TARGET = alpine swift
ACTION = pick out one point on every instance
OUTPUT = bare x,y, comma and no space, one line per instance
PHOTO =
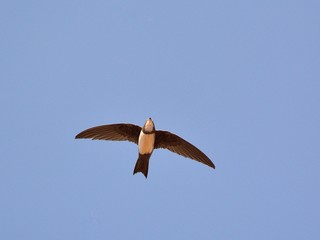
148,139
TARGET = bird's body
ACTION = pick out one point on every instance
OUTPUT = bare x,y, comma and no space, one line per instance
146,142
147,139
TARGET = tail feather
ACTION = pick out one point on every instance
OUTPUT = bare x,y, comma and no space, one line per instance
142,164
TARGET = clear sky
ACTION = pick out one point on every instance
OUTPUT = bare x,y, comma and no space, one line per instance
239,79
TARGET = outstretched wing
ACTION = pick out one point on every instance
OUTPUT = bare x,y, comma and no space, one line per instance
114,132
180,146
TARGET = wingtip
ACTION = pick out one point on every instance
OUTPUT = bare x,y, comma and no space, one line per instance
79,135
212,165
209,163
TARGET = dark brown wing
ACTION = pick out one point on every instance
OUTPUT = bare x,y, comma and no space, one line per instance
180,146
115,132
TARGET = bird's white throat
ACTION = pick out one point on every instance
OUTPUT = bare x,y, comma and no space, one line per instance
148,126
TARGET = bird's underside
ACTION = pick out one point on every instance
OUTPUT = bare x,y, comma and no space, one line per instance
138,135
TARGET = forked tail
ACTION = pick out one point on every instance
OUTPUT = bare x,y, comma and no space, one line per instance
142,164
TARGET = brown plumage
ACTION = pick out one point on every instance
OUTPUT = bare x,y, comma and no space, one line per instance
114,132
180,146
147,139
142,164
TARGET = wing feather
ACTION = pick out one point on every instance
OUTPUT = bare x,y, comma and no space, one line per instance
113,132
180,146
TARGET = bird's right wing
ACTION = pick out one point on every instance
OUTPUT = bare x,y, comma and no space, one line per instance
114,132
180,146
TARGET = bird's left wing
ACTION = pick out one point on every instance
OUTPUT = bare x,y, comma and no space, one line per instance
180,146
114,132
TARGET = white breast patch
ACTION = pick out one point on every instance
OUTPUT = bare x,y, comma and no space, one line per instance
146,143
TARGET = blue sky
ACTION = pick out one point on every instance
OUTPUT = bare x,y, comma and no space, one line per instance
239,79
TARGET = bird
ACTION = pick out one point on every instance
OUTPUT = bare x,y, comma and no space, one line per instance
147,138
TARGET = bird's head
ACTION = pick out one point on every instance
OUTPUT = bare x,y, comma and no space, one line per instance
148,127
